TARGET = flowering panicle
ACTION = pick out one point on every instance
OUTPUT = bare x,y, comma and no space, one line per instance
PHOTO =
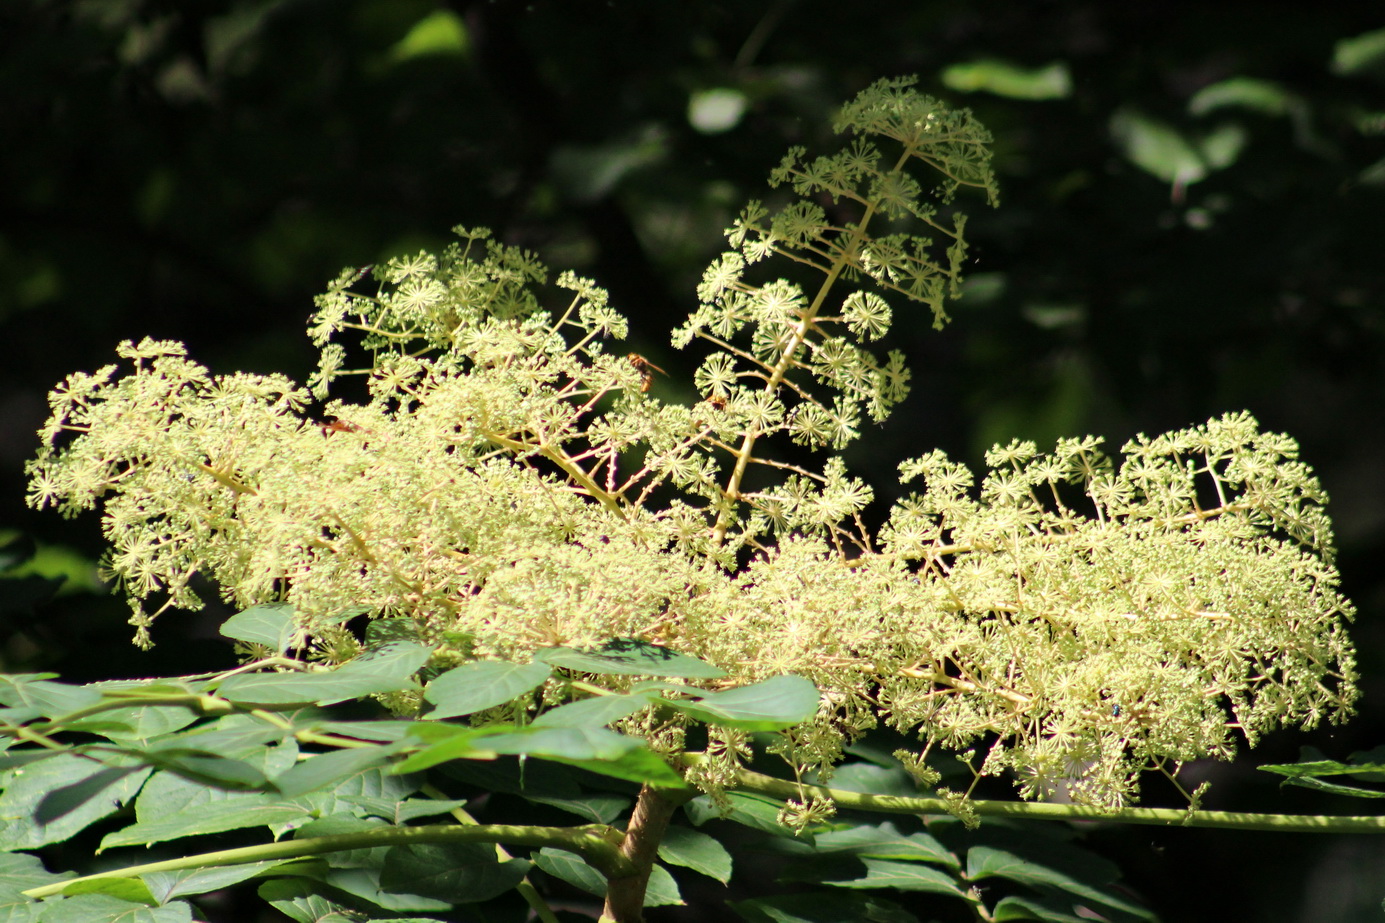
510,485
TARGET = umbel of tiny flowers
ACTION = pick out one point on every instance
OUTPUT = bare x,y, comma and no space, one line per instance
510,485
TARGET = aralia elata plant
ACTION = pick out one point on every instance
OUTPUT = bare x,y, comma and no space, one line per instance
517,549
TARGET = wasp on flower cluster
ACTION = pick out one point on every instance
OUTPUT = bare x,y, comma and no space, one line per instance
647,370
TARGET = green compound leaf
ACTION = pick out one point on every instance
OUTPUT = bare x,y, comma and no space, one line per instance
270,625
630,656
390,669
772,705
822,907
482,684
697,851
459,873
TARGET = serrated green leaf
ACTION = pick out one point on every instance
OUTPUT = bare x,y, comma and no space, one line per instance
389,669
755,811
298,900
382,731
662,888
21,870
1082,874
67,798
89,793
165,886
372,783
15,907
167,794
239,737
884,841
126,889
570,868
1333,788
442,743
598,711
15,759
482,684
103,908
594,807
630,656
872,779
36,695
899,876
138,722
205,767
1308,773
772,705
459,873
327,770
270,625
1046,910
213,817
596,749
401,812
697,851
363,882
384,631
822,907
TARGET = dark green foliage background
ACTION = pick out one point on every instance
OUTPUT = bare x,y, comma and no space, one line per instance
199,171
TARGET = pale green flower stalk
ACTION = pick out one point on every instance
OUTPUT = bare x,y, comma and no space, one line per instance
510,485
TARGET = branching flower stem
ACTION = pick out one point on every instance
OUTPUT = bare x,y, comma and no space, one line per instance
787,358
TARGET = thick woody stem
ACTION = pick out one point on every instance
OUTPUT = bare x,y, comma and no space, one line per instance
648,823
